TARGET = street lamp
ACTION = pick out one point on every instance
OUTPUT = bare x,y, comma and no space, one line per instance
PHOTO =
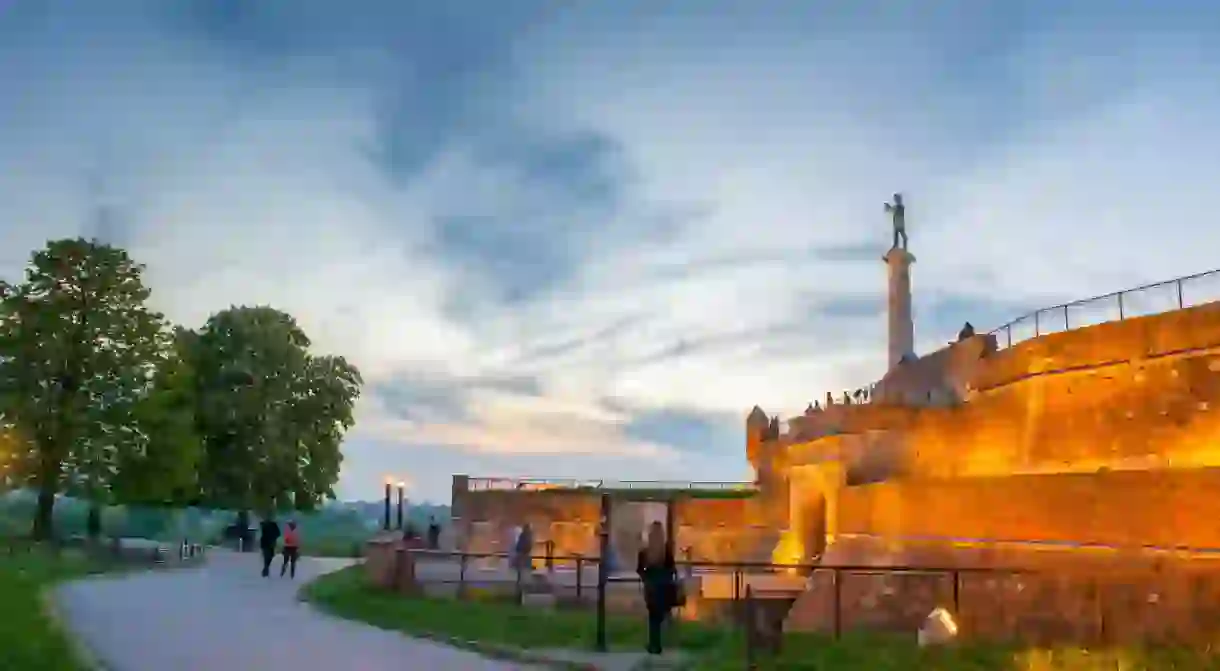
401,486
386,521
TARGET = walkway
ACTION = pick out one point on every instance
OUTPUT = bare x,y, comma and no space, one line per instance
225,616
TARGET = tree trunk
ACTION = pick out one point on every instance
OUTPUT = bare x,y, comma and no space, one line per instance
43,525
48,483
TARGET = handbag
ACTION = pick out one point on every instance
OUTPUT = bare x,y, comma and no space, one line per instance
677,594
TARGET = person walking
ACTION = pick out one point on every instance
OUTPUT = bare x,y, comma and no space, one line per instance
659,576
292,550
268,536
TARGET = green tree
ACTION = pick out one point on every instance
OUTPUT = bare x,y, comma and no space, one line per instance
78,349
271,415
162,467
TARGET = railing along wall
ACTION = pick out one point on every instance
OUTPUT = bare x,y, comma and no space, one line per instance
1045,607
483,484
1148,299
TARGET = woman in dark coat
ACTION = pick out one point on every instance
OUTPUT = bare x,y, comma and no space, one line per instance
659,576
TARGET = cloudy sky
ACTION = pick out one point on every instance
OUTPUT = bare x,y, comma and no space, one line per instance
584,237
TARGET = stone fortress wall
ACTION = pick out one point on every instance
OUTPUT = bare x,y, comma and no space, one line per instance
726,529
1102,434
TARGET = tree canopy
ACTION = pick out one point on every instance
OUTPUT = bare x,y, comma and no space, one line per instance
102,398
271,415
79,353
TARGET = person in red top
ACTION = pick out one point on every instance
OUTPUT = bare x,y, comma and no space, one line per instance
292,550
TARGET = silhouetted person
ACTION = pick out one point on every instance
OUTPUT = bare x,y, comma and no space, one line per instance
659,576
268,536
292,550
434,535
524,548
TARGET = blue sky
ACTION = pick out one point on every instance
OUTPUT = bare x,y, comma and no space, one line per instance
581,237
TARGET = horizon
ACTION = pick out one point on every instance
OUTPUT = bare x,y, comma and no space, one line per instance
580,240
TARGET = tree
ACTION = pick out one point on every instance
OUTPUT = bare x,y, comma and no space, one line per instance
78,351
162,467
271,416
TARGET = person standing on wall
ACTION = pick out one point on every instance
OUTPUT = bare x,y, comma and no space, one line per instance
659,576
268,536
292,550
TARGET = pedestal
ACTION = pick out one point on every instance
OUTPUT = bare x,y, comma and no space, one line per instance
901,325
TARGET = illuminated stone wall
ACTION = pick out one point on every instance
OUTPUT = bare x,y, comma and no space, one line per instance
1100,434
715,529
1136,394
1164,508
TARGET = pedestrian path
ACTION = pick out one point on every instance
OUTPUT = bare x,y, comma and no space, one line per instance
224,615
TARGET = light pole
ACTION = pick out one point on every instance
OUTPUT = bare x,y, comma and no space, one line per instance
386,521
401,486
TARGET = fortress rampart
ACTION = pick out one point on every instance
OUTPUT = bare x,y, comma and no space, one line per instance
1104,434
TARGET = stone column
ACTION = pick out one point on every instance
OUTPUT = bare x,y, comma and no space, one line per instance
901,329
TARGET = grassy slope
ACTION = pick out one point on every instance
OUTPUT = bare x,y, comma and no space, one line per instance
346,594
29,639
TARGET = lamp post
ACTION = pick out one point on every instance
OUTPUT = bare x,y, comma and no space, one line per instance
401,486
386,521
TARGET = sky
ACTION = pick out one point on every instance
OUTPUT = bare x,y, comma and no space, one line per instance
582,238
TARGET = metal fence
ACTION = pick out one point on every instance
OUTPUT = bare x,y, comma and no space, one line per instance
756,614
483,484
1149,299
110,552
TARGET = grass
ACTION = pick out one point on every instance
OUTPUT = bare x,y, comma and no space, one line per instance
497,624
346,593
332,547
30,639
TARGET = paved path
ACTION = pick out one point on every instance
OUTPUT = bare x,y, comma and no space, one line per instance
225,616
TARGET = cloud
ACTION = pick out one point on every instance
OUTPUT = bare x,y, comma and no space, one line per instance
582,238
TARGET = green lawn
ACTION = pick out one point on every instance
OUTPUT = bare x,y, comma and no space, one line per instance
346,594
29,639
332,547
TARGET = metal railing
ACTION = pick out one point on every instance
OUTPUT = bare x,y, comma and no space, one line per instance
110,552
761,634
1148,299
483,484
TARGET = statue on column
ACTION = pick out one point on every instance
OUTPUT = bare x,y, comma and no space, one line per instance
898,212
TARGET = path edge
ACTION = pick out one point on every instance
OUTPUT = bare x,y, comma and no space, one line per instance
52,612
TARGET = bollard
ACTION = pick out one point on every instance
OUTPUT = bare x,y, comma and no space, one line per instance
750,633
550,556
462,577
